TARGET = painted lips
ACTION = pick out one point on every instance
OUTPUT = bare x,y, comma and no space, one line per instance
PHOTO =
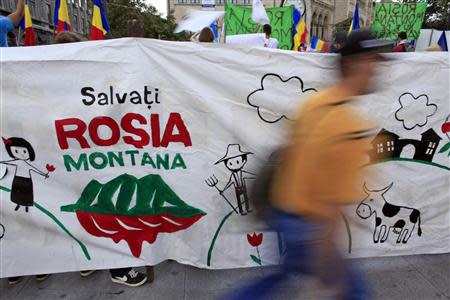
133,210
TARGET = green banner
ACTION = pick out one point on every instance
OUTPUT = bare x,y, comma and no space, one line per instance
392,18
238,20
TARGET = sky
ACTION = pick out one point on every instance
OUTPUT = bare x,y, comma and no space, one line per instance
161,5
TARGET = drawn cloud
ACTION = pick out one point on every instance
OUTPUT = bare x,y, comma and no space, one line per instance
276,97
414,111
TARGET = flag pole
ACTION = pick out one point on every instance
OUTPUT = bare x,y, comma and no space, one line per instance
19,37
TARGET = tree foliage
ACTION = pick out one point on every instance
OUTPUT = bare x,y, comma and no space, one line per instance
437,15
121,11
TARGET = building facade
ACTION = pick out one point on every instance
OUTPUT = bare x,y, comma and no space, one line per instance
42,12
321,16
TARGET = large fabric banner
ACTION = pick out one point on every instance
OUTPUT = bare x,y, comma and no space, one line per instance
130,152
392,18
238,20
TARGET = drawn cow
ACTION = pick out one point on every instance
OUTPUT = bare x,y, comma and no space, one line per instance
402,220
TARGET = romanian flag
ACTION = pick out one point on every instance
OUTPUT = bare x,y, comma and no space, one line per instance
355,22
27,25
319,45
299,30
99,22
442,42
61,18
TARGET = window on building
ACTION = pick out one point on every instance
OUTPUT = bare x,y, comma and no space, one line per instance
431,148
390,146
380,148
246,2
220,1
195,1
75,22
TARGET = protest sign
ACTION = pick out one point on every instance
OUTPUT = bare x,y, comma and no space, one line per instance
392,18
113,154
238,20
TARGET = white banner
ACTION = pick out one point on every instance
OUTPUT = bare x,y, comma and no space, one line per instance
113,152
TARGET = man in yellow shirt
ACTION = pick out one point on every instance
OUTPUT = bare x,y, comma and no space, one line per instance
321,168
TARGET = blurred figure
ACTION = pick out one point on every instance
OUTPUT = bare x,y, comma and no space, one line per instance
8,23
318,170
269,42
65,37
403,45
135,28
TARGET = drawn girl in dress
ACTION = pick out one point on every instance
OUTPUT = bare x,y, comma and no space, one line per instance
22,153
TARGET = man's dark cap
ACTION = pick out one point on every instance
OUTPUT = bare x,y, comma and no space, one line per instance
361,41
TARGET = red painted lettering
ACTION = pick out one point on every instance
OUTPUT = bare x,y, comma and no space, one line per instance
127,125
77,133
156,130
108,122
183,136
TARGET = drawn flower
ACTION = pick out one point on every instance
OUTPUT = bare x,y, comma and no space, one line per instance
445,127
414,111
132,209
446,130
50,168
255,239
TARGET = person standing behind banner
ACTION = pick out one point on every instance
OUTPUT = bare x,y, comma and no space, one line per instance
403,43
269,41
8,23
206,35
135,28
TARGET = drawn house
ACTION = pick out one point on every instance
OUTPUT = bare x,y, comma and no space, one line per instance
389,145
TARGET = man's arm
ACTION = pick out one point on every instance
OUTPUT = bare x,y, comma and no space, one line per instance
17,15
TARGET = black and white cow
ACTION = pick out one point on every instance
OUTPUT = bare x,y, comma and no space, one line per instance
402,220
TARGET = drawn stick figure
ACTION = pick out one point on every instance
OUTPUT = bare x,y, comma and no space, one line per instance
235,160
22,153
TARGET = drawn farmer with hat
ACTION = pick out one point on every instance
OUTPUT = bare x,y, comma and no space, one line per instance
235,159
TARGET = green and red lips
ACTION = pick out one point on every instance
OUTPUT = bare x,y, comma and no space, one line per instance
131,209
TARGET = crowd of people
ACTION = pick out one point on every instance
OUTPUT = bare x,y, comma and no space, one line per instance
303,200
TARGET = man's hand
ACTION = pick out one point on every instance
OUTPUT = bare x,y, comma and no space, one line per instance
17,15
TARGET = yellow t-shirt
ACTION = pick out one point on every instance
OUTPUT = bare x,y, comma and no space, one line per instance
323,164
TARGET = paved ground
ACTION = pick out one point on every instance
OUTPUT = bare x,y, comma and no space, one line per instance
421,277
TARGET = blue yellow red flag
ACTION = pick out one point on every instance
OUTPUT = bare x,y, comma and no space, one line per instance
442,42
61,18
299,30
100,24
355,21
27,25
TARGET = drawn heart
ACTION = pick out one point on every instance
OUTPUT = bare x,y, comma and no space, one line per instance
50,168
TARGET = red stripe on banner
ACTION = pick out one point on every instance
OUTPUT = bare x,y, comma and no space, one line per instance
30,39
